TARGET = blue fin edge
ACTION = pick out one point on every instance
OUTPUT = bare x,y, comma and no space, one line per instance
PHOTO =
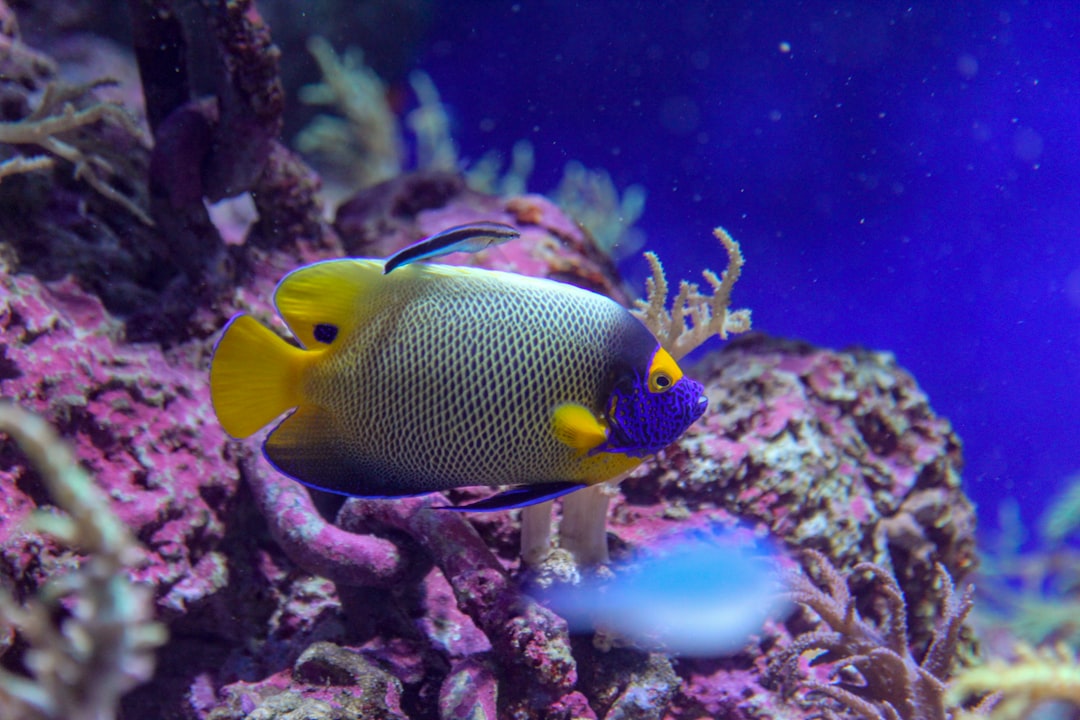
518,497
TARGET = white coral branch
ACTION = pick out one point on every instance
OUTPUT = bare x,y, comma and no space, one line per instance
694,316
56,115
82,660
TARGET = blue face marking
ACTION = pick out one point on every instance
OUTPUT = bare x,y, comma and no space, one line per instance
325,333
644,423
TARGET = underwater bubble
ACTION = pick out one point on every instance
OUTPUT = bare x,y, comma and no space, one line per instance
680,115
967,65
1072,288
1027,145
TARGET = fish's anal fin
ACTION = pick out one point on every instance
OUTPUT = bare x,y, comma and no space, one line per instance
326,300
518,497
577,427
307,447
254,376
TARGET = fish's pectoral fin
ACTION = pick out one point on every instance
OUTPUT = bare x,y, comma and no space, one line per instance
576,426
519,497
254,376
325,300
307,447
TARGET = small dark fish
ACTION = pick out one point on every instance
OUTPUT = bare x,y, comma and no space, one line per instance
462,238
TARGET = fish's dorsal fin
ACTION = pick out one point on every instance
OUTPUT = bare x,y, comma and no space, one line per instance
324,300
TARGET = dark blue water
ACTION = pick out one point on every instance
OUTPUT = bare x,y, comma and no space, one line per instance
901,176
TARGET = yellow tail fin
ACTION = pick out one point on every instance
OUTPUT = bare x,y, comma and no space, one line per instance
254,376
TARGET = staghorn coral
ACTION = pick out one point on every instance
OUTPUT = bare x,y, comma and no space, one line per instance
53,126
875,675
694,317
90,633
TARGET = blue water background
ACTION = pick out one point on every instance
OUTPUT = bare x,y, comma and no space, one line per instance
902,176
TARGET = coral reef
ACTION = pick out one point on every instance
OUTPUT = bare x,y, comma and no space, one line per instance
591,198
876,675
837,452
1016,688
56,118
285,603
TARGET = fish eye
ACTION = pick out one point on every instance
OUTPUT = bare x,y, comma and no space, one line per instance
659,382
325,333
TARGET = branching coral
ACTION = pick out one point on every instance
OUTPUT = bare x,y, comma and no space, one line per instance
90,633
1036,676
435,148
368,134
486,176
591,198
1035,594
18,61
694,316
875,674
51,127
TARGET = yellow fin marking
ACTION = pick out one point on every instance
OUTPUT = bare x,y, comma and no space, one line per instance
607,466
575,425
254,376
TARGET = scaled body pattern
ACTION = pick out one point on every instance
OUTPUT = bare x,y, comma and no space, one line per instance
432,377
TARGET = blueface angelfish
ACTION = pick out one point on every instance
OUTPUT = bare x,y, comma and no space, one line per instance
433,377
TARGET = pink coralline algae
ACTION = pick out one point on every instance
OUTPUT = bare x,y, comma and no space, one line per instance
140,422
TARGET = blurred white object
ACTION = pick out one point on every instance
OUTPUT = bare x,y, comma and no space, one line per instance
692,596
